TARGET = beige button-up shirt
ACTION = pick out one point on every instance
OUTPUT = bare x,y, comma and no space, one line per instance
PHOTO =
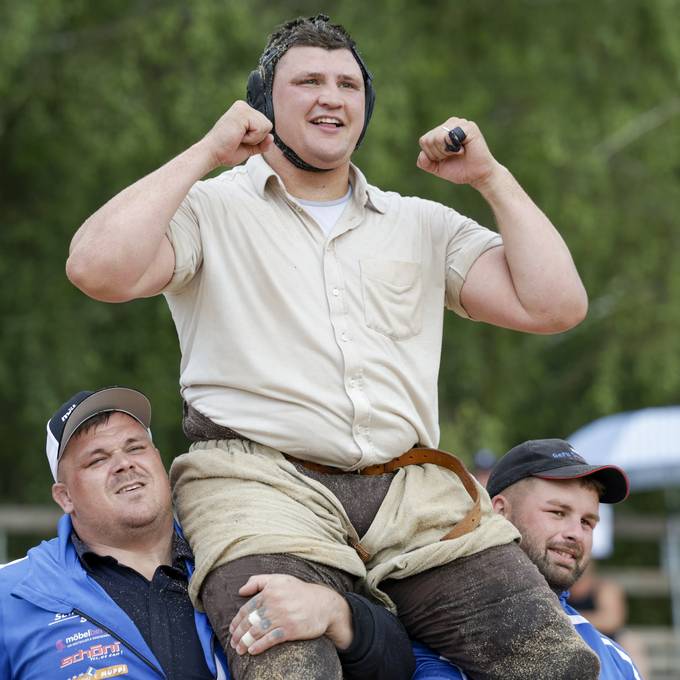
326,348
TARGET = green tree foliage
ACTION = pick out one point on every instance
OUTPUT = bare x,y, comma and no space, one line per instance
579,99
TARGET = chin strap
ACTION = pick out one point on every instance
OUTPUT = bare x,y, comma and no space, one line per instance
293,157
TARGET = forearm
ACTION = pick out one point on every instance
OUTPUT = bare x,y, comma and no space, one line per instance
541,267
380,648
117,245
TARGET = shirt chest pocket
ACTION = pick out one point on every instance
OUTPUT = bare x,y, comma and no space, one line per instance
393,297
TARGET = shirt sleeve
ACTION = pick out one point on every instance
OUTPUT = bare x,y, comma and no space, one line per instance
466,241
185,236
380,648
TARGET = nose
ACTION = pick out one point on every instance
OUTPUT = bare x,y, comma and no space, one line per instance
329,96
122,461
574,531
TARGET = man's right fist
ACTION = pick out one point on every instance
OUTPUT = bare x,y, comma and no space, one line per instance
240,133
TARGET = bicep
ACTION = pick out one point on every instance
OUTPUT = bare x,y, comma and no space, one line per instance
158,274
488,294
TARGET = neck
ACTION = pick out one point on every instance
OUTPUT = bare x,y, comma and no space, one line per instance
310,186
142,552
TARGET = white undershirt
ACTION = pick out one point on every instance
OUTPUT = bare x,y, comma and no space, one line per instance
326,213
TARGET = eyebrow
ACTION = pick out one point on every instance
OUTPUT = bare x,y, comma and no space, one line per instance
128,442
318,74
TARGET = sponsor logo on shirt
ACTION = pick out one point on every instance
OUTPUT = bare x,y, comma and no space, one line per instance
93,653
61,618
78,637
102,673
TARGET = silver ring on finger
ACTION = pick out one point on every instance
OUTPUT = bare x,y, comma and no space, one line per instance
255,619
247,639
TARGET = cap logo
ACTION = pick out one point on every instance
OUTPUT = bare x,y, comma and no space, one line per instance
563,454
68,413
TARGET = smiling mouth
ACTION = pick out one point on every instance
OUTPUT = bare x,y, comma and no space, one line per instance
327,120
129,488
565,555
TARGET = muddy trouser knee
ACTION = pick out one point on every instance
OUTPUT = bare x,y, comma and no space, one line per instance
295,660
493,614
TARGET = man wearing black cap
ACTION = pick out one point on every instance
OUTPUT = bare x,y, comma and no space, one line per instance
109,598
551,494
308,305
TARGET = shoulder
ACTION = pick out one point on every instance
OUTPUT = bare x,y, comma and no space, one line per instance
49,556
40,563
246,182
235,179
384,199
612,656
11,573
414,210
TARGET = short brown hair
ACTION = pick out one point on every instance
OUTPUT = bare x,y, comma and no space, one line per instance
316,31
89,424
591,483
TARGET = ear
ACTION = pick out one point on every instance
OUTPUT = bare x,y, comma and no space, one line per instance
61,497
501,505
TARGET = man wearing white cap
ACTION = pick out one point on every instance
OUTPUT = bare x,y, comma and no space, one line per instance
108,597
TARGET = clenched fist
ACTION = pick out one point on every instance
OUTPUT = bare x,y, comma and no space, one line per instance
240,133
472,164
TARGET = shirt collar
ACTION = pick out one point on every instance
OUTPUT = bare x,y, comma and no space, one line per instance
260,172
180,552
366,195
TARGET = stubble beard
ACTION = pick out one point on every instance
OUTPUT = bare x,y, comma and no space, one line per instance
559,578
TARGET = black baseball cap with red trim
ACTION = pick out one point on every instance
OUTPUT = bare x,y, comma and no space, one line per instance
555,459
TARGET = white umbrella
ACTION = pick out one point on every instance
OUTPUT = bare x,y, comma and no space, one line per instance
645,443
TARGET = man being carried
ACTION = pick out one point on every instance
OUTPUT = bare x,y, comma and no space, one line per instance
308,305
109,598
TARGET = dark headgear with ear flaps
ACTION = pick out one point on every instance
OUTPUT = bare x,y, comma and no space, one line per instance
261,80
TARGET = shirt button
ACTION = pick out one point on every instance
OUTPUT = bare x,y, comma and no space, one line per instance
336,292
344,337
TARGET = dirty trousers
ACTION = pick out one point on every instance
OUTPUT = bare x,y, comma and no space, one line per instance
476,599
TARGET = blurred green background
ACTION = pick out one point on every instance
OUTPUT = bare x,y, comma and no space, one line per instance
579,99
